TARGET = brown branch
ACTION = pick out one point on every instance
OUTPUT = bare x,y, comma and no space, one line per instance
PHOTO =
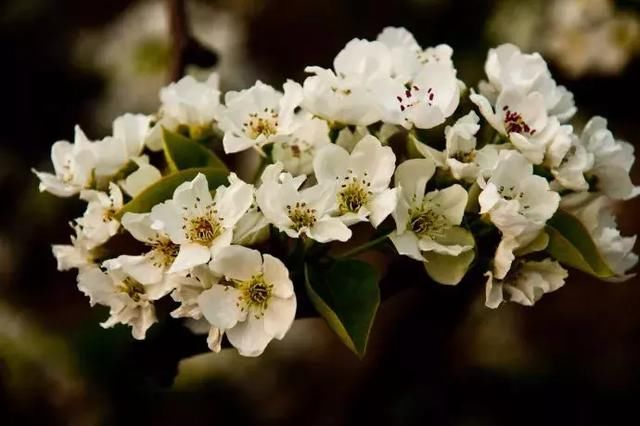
186,50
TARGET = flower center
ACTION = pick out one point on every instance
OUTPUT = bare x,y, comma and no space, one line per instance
163,252
263,123
464,157
131,288
301,216
514,123
509,193
353,195
203,229
255,294
424,222
413,96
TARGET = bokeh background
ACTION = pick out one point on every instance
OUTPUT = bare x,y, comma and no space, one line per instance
436,355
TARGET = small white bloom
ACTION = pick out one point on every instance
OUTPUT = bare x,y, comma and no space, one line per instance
76,255
187,102
198,223
518,202
594,211
257,302
297,151
361,179
73,164
300,212
98,223
568,160
612,160
129,296
526,283
425,221
522,119
259,115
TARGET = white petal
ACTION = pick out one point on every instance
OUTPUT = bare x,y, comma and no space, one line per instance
330,162
279,316
220,306
237,262
190,255
249,337
407,244
277,274
330,229
412,176
382,205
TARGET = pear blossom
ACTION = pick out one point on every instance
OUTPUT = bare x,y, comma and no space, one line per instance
300,212
595,212
344,95
570,162
77,255
522,119
259,115
526,283
612,160
460,155
187,102
162,251
518,202
426,221
73,164
129,296
360,180
199,223
297,151
98,223
255,304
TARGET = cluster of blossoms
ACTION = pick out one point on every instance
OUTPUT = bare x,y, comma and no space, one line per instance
455,178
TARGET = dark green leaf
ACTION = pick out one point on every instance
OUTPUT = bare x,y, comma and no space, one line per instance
347,296
163,189
571,244
183,153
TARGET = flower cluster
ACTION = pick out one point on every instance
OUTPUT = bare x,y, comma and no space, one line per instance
492,179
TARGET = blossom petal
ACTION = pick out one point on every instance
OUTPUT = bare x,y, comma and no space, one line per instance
220,306
279,316
277,274
238,263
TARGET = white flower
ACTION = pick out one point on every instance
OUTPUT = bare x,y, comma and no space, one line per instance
257,304
518,202
507,68
361,179
425,222
126,144
259,115
73,164
569,160
300,212
129,296
98,223
297,151
76,255
612,160
430,98
344,95
594,211
523,119
198,223
525,283
187,102
162,251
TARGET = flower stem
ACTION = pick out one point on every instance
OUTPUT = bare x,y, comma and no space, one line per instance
363,247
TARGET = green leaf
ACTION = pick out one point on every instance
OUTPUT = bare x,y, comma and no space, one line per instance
571,244
347,296
446,269
163,189
184,153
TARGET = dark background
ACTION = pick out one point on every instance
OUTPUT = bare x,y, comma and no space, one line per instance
437,356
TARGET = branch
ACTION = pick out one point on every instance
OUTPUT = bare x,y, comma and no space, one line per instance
186,50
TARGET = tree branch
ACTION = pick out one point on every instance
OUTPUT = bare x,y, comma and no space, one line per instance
185,49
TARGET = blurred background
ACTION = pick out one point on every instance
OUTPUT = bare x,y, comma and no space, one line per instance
436,355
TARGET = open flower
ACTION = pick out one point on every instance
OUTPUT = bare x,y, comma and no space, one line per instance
518,202
198,223
98,223
300,212
612,160
426,222
297,151
73,164
360,179
77,255
526,283
189,103
256,303
259,115
129,295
